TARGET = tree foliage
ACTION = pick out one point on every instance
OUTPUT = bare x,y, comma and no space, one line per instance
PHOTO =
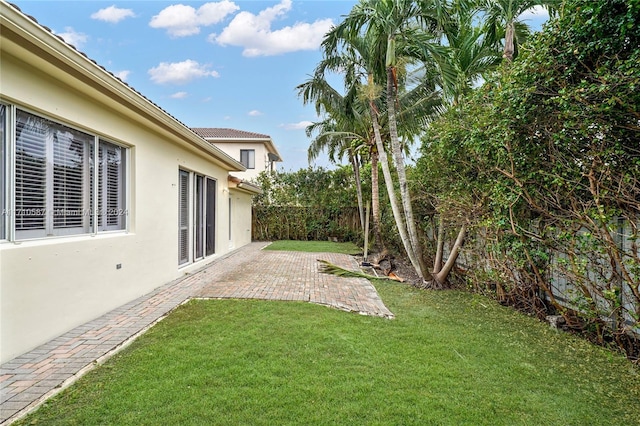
308,204
545,158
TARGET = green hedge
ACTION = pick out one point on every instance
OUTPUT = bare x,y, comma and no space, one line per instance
272,223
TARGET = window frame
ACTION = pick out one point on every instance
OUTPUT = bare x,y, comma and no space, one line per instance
197,216
4,170
104,216
250,162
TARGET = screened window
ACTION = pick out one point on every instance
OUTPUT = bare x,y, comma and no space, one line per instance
67,182
248,158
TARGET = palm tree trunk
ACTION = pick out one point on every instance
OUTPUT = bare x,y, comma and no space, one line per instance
355,164
397,214
437,263
375,202
398,158
509,42
441,277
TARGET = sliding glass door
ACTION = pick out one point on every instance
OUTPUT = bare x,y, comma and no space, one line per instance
196,217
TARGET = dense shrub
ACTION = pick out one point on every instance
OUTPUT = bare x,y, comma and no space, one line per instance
544,162
308,204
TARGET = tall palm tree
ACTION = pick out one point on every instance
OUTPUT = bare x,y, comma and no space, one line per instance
503,21
341,132
407,34
471,55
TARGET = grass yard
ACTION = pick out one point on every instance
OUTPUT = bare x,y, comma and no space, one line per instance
449,358
315,247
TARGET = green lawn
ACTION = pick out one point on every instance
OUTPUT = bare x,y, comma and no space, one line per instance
315,247
448,358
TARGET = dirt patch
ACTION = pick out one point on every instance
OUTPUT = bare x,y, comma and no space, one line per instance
400,266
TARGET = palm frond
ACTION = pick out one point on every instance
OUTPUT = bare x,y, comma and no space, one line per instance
327,267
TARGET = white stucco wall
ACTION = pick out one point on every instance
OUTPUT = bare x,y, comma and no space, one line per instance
241,215
51,285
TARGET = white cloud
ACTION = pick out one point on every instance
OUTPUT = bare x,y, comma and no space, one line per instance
113,14
122,75
73,38
296,126
179,95
254,113
254,33
181,20
536,12
180,72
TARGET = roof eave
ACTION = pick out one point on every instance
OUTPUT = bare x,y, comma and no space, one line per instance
243,185
33,37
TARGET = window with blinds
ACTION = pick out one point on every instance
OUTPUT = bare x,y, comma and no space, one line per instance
183,218
31,176
57,183
111,190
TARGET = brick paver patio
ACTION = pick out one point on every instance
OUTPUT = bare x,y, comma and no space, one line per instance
247,273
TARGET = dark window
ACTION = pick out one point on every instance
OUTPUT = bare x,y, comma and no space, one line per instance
248,158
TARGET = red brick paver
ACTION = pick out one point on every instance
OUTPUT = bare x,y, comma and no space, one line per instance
247,273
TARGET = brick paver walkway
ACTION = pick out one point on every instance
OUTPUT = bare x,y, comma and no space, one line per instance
30,379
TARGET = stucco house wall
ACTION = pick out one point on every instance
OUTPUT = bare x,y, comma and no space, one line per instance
240,209
233,150
232,142
50,285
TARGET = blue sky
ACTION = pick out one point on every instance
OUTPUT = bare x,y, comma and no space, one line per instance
209,64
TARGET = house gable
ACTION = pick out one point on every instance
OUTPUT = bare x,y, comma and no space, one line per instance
256,151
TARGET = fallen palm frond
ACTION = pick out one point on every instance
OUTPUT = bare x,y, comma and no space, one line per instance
329,268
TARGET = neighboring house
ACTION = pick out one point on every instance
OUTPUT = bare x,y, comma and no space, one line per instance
104,195
254,150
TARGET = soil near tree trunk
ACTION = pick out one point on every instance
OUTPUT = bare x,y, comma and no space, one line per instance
400,266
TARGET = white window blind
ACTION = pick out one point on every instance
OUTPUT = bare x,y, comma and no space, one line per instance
111,188
71,190
55,176
52,178
31,175
183,217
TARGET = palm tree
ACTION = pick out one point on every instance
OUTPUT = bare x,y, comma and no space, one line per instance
406,35
471,55
341,132
502,20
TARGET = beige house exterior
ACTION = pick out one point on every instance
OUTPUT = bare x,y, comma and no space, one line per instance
255,151
104,195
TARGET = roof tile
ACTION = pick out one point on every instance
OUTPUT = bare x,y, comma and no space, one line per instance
222,133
